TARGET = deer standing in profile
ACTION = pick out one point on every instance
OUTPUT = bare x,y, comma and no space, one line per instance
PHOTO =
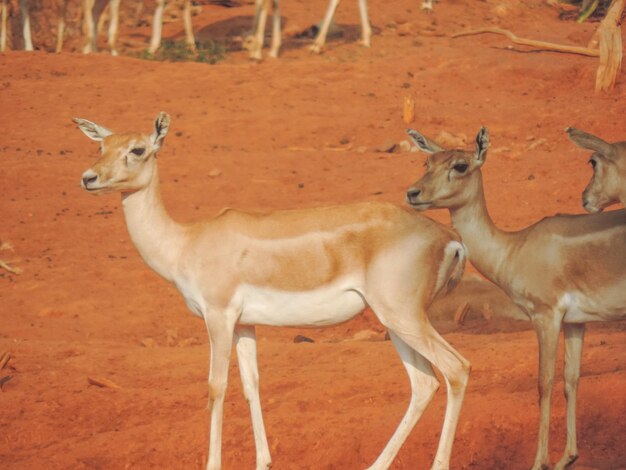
311,267
563,271
608,183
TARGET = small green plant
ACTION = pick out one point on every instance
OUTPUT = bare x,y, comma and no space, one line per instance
209,52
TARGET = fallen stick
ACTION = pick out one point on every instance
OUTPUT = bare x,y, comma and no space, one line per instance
586,51
4,265
103,383
4,359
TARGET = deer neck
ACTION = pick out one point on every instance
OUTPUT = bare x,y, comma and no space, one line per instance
488,246
157,237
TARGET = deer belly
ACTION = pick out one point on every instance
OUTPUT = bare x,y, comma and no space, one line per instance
580,308
318,307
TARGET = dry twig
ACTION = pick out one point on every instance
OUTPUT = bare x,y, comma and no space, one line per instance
532,42
103,383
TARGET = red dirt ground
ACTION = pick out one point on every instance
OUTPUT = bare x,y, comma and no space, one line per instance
300,131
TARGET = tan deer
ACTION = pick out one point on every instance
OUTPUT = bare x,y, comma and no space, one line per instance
563,271
312,267
608,183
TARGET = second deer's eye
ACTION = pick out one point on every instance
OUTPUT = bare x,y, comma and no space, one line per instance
460,167
138,151
592,162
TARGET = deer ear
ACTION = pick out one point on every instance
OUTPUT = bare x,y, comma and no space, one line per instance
423,143
92,130
482,144
161,127
590,142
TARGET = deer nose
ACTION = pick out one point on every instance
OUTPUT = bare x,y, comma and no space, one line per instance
413,194
88,177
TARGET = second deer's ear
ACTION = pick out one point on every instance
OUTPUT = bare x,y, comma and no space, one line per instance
161,128
482,144
590,142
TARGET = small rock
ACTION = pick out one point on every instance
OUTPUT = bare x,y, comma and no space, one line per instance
215,172
387,147
405,146
451,141
302,339
344,140
149,343
367,335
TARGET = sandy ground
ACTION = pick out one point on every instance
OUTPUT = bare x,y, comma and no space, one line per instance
300,131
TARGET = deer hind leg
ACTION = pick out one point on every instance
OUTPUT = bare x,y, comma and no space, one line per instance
424,384
3,25
574,338
276,33
62,12
547,327
221,336
28,41
245,340
190,39
414,329
114,19
366,28
320,40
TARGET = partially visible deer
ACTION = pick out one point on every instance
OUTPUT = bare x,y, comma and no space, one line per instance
254,42
563,271
157,26
608,183
91,11
310,267
26,29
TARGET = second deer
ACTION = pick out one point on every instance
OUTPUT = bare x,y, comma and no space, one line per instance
563,271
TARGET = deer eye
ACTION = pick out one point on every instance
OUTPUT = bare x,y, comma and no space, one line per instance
460,167
138,151
592,162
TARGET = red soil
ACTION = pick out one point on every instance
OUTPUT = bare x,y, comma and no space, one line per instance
300,131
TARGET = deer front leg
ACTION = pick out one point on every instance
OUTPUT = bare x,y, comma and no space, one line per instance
320,40
245,340
574,338
255,42
89,27
547,327
276,30
190,39
221,336
366,29
157,26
